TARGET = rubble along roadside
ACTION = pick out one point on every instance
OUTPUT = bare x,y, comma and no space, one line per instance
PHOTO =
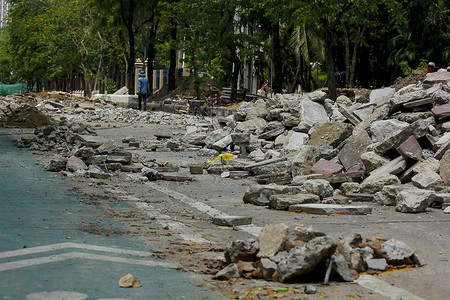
412,141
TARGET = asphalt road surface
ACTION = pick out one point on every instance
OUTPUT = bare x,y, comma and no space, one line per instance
172,222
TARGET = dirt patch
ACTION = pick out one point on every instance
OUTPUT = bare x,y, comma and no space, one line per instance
94,228
186,90
414,78
23,116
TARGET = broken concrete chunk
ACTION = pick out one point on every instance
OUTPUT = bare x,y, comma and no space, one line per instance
197,139
310,114
106,148
340,266
444,168
372,161
56,164
329,134
268,268
296,140
231,220
396,252
393,167
222,143
380,96
151,174
273,133
271,239
244,250
303,260
303,161
324,166
320,187
441,110
229,272
380,130
350,187
393,141
388,194
411,148
260,194
426,180
414,200
326,209
214,136
128,281
376,264
305,234
75,164
350,155
399,100
271,166
444,148
377,183
317,96
257,110
255,125
284,201
430,164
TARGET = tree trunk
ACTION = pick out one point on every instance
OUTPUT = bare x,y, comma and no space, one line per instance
235,76
329,63
151,52
128,23
173,59
355,51
277,64
347,56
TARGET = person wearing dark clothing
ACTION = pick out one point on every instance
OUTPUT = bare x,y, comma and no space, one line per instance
142,90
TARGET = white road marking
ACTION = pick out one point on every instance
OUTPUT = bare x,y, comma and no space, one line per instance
210,211
60,246
57,295
385,289
75,255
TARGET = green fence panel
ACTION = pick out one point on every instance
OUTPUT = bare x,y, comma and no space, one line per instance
9,89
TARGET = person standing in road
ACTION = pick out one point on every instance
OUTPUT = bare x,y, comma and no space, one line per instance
142,90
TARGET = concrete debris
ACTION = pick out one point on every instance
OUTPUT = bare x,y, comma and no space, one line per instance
304,255
129,281
391,147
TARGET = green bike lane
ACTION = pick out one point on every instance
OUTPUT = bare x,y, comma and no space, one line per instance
45,255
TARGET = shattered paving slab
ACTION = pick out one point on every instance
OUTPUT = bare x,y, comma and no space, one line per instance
324,209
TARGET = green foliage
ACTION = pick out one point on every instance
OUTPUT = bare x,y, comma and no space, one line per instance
423,65
60,39
406,69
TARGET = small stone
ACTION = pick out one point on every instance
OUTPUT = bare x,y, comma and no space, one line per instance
377,264
129,280
310,289
229,272
271,239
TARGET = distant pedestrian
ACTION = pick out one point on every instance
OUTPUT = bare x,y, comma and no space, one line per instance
142,90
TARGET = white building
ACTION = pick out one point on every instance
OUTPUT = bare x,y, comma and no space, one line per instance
4,7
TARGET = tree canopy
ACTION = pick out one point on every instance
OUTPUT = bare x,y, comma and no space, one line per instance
371,41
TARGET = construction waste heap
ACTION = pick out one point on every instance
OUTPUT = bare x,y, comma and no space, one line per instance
304,153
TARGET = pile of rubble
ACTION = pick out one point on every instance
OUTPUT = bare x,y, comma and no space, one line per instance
305,152
308,256
386,146
22,116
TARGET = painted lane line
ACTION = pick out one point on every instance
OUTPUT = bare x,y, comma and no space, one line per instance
76,255
60,246
210,211
162,219
385,289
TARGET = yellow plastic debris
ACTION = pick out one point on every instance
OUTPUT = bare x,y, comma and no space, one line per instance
225,156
